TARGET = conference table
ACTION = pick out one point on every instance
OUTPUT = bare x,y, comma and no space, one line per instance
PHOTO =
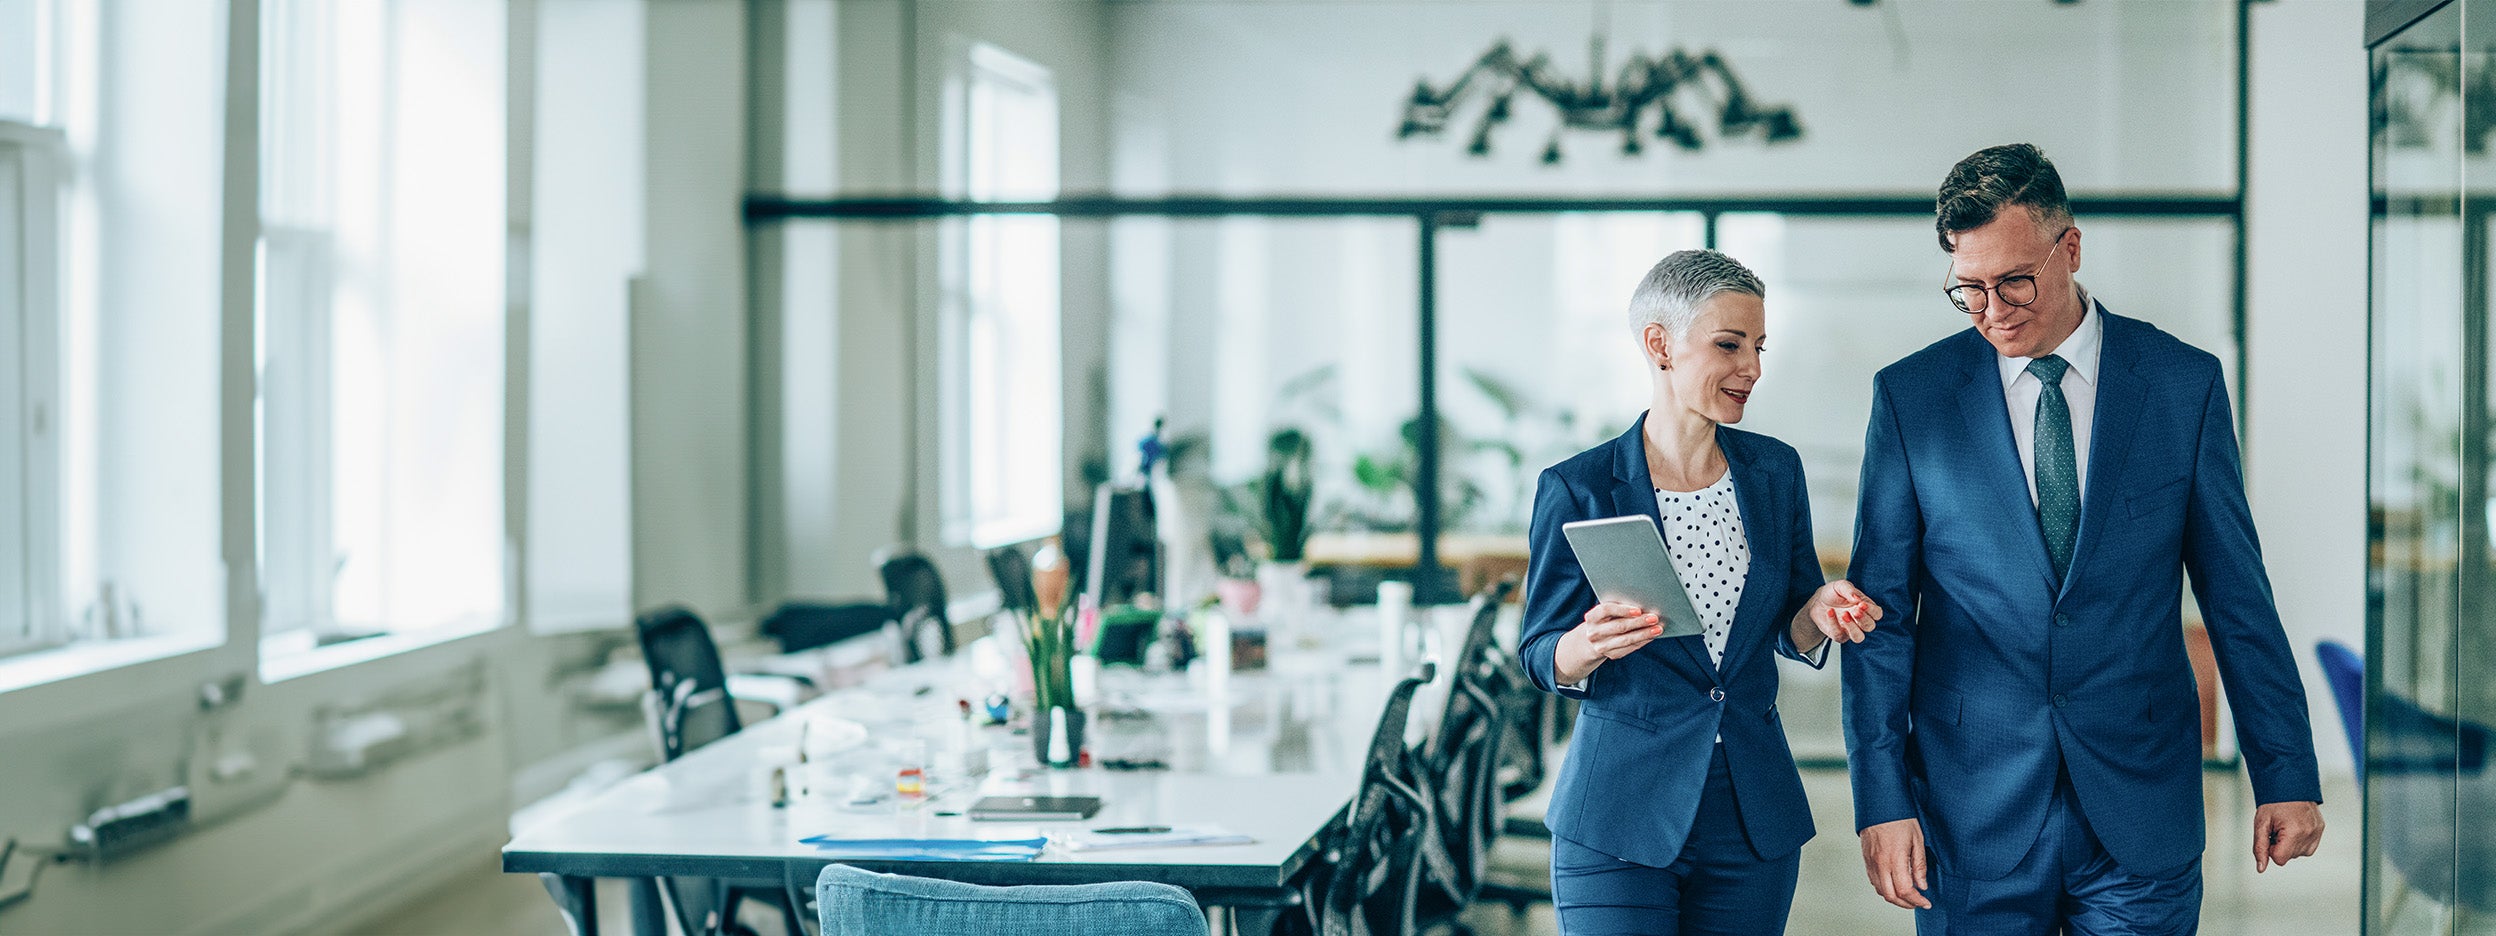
1273,754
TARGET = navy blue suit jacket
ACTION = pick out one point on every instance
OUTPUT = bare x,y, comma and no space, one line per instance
1638,762
1962,712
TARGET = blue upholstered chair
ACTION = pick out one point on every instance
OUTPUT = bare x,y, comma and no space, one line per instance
2346,672
852,902
2431,789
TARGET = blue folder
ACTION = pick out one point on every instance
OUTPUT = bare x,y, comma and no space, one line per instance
928,849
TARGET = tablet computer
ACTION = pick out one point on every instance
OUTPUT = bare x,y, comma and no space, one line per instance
995,808
1625,562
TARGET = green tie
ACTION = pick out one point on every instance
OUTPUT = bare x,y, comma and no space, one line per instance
2058,473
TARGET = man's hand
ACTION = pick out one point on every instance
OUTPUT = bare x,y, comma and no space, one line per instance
1893,857
2285,830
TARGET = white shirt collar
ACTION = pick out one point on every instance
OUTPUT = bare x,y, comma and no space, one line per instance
2079,350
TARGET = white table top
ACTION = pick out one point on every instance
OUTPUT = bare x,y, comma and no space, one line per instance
1273,754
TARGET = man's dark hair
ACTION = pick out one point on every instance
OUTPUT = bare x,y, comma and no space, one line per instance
2011,174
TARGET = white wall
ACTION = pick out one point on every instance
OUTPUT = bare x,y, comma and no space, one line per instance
688,332
1304,95
583,216
2305,445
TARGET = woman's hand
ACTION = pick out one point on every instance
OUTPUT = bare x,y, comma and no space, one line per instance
1609,632
1838,611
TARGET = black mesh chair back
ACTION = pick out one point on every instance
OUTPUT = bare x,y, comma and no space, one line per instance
1375,872
1476,654
692,704
917,595
1463,762
800,625
1012,570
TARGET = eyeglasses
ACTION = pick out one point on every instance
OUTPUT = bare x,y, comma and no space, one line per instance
2017,291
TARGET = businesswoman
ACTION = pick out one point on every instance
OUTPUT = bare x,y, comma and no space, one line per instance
1678,810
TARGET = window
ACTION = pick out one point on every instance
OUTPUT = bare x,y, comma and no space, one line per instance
1002,418
380,349
29,451
109,317
29,236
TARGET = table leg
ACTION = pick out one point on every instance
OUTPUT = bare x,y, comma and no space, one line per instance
577,899
649,915
1254,921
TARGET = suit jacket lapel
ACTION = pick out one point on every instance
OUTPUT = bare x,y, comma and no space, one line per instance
1988,421
1633,492
2120,395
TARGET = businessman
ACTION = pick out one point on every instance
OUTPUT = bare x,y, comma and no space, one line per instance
2025,745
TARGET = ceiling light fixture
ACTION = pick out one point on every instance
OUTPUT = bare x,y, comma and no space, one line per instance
1674,86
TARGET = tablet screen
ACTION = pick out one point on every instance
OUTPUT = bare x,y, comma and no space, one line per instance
1625,562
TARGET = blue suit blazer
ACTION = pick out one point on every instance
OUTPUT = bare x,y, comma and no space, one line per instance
1962,712
1638,761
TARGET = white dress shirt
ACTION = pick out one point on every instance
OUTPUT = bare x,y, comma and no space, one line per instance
2020,390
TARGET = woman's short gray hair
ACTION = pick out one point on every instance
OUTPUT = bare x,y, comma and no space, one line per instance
1684,280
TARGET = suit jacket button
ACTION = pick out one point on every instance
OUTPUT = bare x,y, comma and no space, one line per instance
2062,620
2058,700
1716,694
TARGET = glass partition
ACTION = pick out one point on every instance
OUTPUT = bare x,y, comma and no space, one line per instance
2426,484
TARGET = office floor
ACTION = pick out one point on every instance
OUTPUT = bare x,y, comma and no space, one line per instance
2312,897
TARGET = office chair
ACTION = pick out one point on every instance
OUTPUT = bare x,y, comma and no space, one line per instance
854,902
1462,763
689,707
2346,673
1538,721
917,595
1372,877
689,686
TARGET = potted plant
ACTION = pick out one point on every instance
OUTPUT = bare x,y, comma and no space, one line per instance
1049,642
1279,502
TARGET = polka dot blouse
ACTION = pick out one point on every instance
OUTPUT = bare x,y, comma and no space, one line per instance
1703,533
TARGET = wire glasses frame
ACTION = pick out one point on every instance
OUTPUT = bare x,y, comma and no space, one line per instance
2017,291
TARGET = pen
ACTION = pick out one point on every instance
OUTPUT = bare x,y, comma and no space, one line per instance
1134,830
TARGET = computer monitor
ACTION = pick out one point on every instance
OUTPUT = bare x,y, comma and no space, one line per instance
1125,555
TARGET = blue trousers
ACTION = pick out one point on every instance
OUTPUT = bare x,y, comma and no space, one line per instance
1718,885
2067,884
